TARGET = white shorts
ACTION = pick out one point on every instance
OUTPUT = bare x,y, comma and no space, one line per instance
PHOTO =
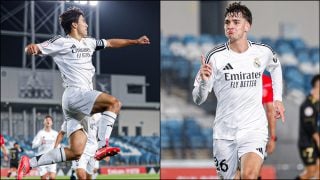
77,104
227,153
85,162
47,168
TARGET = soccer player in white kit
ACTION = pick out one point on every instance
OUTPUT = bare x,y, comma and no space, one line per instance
234,70
84,167
73,55
44,141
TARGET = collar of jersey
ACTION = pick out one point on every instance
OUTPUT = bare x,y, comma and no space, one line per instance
239,54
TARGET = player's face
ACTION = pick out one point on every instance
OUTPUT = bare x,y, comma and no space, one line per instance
235,26
47,122
82,26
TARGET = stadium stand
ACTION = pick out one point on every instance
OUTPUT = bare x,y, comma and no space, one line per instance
135,150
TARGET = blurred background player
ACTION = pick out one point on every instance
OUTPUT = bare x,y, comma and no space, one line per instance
308,142
14,159
84,167
79,100
3,148
44,141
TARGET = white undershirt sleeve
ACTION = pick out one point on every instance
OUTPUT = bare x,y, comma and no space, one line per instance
36,141
200,92
275,70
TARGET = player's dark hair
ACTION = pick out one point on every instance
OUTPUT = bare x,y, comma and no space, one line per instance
315,79
68,17
235,8
48,116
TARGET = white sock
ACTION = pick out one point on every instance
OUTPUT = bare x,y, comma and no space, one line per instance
94,175
54,156
105,127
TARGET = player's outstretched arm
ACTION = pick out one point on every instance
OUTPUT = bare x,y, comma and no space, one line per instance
32,49
118,43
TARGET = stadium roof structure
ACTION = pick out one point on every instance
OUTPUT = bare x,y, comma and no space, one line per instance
36,21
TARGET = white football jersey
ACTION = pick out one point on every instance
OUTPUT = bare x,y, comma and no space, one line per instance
44,141
74,58
237,82
92,141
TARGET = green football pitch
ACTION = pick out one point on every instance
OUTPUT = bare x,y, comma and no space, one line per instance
112,176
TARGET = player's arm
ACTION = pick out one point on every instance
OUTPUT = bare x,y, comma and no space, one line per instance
272,127
37,141
4,151
274,67
59,138
118,43
32,49
49,47
201,89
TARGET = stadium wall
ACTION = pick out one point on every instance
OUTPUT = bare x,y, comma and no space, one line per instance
270,19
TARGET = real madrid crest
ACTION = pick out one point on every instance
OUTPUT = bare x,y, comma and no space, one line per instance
256,62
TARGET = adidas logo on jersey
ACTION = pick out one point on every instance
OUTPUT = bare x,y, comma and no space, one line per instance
227,67
260,150
73,46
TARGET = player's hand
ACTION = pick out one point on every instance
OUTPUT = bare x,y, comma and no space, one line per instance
32,49
271,146
143,40
205,69
279,108
43,141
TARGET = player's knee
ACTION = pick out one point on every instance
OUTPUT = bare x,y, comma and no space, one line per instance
115,105
249,174
312,171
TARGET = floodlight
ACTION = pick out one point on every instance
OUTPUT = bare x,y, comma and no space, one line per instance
93,3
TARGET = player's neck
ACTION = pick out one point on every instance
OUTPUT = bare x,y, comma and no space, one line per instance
48,129
239,46
76,36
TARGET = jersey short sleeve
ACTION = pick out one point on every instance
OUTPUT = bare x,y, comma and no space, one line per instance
52,46
97,44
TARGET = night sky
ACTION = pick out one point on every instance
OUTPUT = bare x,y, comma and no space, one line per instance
118,19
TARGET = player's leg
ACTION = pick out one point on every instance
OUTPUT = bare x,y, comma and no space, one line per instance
225,158
81,173
52,171
96,169
78,140
251,164
309,158
252,147
80,166
43,172
90,167
110,108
